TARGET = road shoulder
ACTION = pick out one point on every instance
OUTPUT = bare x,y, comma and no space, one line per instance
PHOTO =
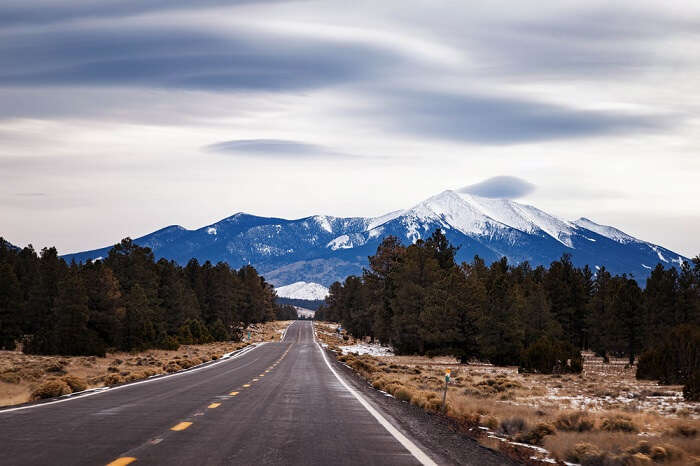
437,435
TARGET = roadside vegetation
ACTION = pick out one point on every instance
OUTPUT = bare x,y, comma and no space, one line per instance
126,302
559,363
26,377
601,416
419,301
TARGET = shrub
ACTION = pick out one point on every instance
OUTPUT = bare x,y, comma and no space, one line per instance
172,366
638,459
491,422
10,377
536,435
618,423
685,430
666,453
403,394
513,425
186,363
379,383
434,404
55,367
577,421
642,447
76,384
113,379
583,452
51,389
170,343
547,355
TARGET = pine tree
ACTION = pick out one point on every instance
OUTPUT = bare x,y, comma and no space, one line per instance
442,250
104,298
381,287
418,271
626,306
138,328
500,329
70,333
10,307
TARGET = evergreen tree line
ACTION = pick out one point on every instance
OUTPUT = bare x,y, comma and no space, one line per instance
420,301
128,301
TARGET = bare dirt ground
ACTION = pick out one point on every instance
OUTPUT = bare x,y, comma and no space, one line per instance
26,377
603,416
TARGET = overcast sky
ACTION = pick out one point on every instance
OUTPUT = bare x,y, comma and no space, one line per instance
118,117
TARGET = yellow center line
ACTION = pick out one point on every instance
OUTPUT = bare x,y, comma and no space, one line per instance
122,461
255,379
181,426
214,405
233,393
246,385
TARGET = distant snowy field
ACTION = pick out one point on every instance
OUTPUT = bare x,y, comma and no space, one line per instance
303,290
368,348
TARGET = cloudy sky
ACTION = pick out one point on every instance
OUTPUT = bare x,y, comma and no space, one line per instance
118,117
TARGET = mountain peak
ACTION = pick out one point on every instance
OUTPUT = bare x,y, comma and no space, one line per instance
303,290
322,249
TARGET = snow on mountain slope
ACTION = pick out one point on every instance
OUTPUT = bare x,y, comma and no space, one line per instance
375,222
303,290
607,231
321,249
450,210
522,217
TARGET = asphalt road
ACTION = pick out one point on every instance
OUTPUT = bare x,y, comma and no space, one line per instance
279,403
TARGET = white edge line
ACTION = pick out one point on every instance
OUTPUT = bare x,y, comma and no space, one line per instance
284,335
98,390
403,440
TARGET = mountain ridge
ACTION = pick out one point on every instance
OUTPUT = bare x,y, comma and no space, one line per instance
324,248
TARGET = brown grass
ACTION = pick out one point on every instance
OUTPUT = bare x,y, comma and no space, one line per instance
28,377
594,417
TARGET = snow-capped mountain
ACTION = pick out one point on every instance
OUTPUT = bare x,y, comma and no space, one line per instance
322,249
303,290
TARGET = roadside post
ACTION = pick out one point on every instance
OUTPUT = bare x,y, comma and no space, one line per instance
444,394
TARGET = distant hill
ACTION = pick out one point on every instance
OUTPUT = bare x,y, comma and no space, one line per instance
8,245
303,290
322,249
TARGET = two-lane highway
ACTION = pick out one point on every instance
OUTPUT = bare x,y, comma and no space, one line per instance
280,403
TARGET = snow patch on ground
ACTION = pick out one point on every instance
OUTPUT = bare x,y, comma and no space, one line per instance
372,349
211,231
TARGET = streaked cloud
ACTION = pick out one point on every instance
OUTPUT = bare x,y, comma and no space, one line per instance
488,119
376,106
275,148
169,57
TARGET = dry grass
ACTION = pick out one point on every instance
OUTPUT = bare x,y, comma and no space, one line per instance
26,377
594,417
